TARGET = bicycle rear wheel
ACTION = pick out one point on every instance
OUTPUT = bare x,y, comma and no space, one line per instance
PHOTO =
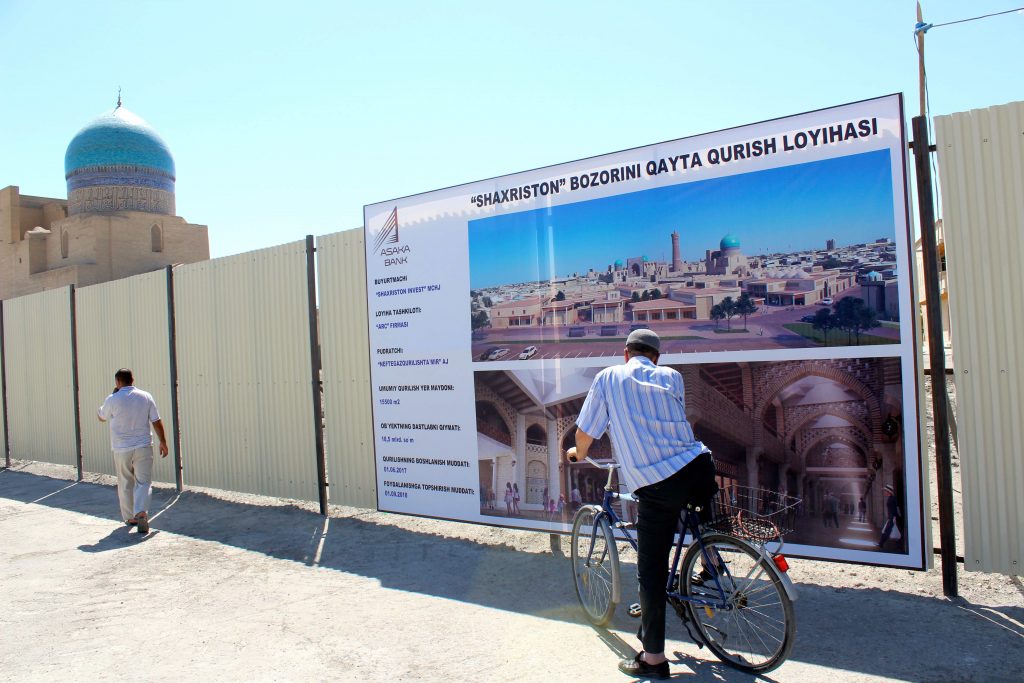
755,633
595,565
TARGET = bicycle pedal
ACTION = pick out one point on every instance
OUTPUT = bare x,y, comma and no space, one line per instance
634,610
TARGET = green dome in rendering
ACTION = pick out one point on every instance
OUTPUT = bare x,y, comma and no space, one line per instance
730,241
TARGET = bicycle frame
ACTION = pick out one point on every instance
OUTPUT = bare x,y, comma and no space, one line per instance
690,525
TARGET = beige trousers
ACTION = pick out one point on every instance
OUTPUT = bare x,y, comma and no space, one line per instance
134,480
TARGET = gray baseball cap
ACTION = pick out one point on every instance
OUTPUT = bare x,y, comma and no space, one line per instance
645,337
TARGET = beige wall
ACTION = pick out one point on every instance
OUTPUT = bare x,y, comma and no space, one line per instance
101,247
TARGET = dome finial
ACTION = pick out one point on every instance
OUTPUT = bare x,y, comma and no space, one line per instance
118,98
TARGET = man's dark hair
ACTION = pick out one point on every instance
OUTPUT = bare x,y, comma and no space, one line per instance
124,376
636,349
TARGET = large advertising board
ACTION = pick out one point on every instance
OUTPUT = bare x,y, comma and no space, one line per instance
774,260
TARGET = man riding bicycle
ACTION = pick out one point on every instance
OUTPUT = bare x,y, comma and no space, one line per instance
643,409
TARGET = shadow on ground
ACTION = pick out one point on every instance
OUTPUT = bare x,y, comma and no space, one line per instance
867,630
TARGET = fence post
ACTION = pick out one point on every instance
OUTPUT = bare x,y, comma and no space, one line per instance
172,354
316,364
74,383
3,390
936,355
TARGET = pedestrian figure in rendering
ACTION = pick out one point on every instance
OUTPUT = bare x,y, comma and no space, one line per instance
575,498
515,498
862,510
833,509
892,515
643,409
508,499
130,412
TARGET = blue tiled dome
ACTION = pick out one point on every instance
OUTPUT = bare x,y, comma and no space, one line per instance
730,241
118,137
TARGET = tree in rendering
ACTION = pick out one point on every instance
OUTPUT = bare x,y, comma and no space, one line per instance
867,319
655,294
635,298
717,314
855,316
729,309
480,320
745,306
823,322
560,296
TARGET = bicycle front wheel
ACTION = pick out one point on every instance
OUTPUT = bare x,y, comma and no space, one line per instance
595,564
751,628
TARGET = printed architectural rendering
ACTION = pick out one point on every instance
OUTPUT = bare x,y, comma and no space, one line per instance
827,431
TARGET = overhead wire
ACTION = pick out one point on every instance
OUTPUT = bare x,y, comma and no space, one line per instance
983,16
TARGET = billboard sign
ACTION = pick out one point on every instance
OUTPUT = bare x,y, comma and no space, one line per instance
774,260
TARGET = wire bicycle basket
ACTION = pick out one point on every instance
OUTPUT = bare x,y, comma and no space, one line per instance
756,515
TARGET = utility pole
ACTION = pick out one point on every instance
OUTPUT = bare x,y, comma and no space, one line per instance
936,347
919,31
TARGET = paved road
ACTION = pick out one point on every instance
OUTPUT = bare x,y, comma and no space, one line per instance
234,587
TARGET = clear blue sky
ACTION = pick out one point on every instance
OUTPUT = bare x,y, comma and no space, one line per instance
286,118
779,210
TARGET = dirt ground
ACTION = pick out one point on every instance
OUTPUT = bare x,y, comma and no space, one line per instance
238,587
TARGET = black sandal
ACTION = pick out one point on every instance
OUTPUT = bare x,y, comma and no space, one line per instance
638,668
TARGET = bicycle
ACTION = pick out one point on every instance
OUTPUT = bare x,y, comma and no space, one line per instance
740,600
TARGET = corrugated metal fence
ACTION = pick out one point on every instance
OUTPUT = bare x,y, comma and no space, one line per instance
237,342
344,335
244,373
981,160
123,323
41,419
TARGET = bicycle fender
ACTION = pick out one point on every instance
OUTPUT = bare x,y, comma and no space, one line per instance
787,583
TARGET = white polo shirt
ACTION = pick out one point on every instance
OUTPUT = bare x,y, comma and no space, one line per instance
130,412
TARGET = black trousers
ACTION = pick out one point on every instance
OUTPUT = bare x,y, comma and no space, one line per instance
658,509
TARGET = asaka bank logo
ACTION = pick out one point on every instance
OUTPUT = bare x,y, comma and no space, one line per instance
386,243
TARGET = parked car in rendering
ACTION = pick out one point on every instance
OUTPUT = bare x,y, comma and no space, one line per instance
807,319
528,352
497,353
827,301
486,355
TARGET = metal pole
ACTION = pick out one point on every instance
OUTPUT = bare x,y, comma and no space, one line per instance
920,63
3,389
316,365
936,354
172,354
74,384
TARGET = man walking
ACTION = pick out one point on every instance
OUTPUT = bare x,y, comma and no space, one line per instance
130,412
643,408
